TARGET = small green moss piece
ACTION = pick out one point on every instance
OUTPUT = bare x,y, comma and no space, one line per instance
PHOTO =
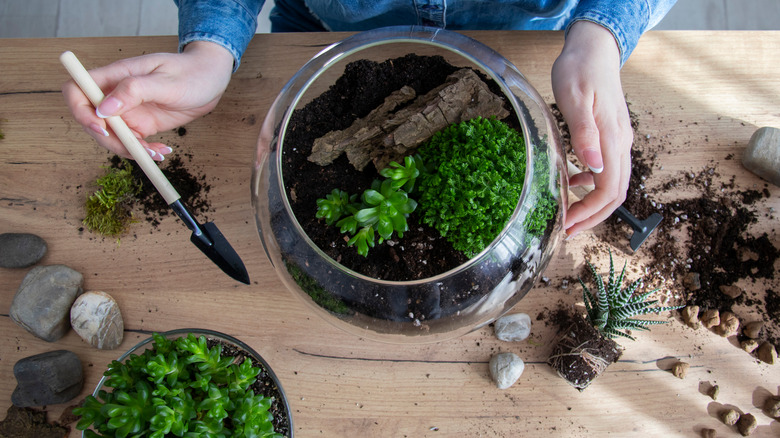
107,210
478,170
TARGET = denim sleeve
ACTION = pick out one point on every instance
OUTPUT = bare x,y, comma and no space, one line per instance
626,19
229,23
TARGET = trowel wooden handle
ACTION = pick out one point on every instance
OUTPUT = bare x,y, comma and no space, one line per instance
120,128
573,170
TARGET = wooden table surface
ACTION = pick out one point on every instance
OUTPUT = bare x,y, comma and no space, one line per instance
701,93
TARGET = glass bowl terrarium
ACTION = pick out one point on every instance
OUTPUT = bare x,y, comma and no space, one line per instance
407,109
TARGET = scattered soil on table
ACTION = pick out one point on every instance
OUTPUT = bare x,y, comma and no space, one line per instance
192,187
714,224
422,252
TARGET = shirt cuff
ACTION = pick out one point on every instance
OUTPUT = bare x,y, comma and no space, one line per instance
229,23
627,21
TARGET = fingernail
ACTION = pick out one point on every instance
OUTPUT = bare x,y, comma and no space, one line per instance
593,160
571,236
98,129
151,152
108,107
166,150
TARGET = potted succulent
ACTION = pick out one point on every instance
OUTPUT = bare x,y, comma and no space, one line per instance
187,383
585,347
361,167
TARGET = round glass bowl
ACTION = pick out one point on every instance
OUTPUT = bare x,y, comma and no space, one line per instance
445,305
279,404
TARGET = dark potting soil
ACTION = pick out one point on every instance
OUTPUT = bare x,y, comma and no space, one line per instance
581,354
422,252
192,187
29,422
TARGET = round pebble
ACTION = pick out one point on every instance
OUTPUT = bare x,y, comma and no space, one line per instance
21,250
42,304
95,316
506,368
513,328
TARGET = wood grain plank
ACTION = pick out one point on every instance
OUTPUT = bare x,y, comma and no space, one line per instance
693,92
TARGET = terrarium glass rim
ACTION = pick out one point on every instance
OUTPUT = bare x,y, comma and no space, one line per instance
453,42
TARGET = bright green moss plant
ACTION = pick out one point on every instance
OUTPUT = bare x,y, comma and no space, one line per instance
477,173
180,387
107,210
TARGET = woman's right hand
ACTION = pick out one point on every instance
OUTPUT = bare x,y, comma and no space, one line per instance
153,93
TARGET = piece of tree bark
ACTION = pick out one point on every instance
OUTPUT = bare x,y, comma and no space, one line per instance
387,134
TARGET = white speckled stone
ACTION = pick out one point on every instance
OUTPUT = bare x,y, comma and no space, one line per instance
513,328
95,316
506,368
762,155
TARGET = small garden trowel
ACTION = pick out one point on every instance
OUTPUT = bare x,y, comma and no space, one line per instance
206,237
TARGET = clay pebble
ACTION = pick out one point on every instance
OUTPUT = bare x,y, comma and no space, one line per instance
753,329
747,424
680,369
42,303
21,250
710,318
729,324
690,314
772,407
729,417
96,317
766,353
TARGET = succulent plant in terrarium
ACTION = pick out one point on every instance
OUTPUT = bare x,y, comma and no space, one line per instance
586,348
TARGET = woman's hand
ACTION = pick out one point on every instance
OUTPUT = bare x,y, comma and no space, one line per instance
153,93
586,84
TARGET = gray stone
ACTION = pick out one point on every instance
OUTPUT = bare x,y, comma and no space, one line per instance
506,368
42,304
515,327
20,250
762,155
48,378
95,316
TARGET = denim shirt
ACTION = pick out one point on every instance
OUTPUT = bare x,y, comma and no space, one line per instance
232,23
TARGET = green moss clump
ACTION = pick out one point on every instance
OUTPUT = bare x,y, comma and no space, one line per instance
476,172
107,211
